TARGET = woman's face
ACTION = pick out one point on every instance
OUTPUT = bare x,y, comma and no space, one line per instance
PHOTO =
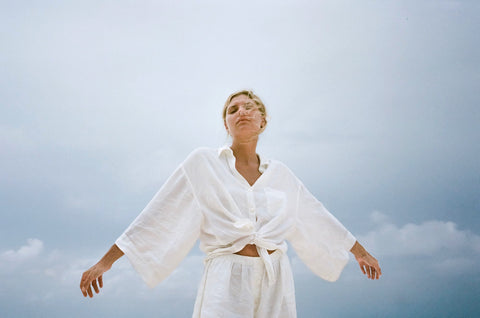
243,119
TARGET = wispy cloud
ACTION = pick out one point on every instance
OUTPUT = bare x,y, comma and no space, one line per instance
32,249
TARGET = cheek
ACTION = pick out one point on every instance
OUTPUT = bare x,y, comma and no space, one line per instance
228,121
259,119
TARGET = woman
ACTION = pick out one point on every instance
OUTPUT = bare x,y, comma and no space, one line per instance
243,209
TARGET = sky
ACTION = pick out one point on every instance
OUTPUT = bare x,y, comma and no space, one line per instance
373,104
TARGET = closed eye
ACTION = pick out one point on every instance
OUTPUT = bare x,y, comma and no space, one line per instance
249,106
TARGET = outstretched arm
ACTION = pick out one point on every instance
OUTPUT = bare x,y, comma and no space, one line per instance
368,263
95,273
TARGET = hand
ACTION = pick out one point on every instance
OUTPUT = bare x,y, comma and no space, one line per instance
369,266
93,277
368,263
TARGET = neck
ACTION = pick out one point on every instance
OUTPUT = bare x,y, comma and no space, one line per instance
245,151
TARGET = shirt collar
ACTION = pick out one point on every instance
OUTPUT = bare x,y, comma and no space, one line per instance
227,151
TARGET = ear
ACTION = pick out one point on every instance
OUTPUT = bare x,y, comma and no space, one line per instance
264,123
226,127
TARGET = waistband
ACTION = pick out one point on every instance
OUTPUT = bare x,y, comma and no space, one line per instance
264,259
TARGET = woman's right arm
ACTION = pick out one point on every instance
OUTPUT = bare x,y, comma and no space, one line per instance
95,273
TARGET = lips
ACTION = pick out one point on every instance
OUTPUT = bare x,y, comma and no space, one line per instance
241,120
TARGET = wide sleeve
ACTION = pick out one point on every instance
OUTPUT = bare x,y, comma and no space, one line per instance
318,238
165,231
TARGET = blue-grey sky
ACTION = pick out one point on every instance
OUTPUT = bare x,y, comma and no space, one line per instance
374,105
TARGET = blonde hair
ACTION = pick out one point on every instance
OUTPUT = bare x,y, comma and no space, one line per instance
252,96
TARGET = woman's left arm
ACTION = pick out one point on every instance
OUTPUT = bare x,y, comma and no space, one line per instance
368,263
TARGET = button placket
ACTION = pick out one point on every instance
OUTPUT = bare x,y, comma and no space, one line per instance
251,205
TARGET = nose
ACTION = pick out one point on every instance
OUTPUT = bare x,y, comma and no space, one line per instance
242,110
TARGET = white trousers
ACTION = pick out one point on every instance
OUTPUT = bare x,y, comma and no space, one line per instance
235,286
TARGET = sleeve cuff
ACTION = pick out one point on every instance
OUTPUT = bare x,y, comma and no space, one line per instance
349,241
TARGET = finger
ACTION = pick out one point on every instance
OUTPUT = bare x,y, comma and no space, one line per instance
82,281
89,290
83,285
363,269
95,286
100,281
84,291
367,271
377,270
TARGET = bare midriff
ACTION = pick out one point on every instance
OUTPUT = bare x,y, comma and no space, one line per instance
251,250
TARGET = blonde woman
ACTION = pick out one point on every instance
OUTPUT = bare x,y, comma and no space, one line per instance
243,208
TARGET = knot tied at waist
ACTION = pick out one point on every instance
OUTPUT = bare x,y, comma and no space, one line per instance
252,244
252,250
267,260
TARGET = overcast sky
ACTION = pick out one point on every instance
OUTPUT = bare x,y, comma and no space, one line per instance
375,105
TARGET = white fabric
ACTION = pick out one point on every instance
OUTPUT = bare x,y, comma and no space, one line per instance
206,198
237,286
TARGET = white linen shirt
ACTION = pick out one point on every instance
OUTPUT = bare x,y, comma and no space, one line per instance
206,198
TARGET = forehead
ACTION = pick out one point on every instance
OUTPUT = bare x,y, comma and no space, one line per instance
240,99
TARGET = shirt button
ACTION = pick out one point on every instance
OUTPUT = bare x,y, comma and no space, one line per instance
252,210
250,189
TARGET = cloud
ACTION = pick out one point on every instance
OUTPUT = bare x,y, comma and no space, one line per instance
59,272
433,246
427,239
33,248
